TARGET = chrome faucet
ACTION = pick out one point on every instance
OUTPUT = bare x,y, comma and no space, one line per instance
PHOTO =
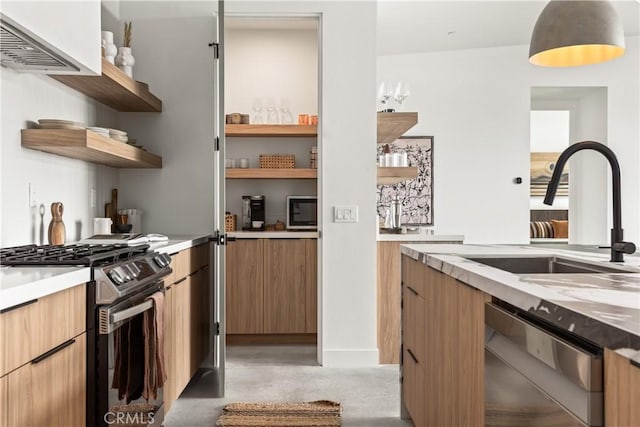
618,246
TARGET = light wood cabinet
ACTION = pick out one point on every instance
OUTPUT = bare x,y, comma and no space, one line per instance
621,391
388,298
271,286
244,290
37,326
49,391
186,321
284,289
450,334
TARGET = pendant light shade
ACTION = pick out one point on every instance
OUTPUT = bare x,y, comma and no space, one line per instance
571,33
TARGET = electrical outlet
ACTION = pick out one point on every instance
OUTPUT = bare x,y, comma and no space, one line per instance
32,195
345,213
92,197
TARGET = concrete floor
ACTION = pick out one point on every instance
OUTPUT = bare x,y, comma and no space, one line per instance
369,396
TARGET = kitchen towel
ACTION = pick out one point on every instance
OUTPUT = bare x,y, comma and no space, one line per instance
154,370
128,373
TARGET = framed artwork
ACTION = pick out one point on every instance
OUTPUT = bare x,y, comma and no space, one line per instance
416,194
542,166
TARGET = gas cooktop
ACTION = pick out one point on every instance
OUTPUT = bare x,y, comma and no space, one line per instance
76,254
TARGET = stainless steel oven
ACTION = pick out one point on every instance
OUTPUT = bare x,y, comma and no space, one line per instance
535,376
115,321
124,292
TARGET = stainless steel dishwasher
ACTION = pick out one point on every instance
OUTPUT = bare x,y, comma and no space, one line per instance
535,376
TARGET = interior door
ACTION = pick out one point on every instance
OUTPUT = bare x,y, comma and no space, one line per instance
218,252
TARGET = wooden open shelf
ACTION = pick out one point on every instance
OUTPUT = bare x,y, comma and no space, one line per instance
393,125
272,130
114,89
394,175
85,145
263,173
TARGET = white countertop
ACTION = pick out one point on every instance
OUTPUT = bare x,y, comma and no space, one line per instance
612,299
22,284
273,234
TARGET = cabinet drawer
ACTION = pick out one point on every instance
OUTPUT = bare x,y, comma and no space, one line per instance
33,329
414,275
413,322
199,257
50,391
413,388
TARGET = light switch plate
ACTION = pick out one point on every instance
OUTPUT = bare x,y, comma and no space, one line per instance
345,213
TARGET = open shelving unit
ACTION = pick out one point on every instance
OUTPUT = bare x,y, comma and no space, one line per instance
85,145
264,173
114,89
271,130
394,175
390,127
393,125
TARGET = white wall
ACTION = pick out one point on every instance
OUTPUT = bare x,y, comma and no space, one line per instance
173,57
549,131
281,65
25,99
347,172
476,103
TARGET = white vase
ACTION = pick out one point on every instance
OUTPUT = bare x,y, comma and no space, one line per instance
125,60
109,48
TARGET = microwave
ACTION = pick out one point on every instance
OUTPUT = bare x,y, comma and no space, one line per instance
302,212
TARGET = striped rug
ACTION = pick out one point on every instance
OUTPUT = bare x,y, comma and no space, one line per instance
321,413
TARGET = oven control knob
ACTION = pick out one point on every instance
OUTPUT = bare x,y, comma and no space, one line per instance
127,272
160,260
134,269
116,276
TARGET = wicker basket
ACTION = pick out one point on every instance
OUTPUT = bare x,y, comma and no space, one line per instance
229,222
277,161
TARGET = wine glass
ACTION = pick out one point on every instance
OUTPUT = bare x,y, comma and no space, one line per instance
286,116
258,112
384,94
272,115
400,94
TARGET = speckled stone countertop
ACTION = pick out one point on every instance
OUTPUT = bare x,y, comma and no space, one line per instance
603,308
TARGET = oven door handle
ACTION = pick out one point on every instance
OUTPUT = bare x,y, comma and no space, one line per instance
128,313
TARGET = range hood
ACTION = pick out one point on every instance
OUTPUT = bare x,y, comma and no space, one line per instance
24,51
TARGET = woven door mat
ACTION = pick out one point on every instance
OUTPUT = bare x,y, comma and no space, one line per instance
321,413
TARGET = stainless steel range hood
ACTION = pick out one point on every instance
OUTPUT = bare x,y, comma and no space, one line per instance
24,51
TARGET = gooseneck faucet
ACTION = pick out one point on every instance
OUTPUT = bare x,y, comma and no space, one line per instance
618,246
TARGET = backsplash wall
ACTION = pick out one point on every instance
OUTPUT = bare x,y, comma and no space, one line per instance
27,98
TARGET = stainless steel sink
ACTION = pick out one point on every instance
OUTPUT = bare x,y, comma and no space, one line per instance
546,265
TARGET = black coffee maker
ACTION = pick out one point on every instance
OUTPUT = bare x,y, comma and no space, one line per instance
256,212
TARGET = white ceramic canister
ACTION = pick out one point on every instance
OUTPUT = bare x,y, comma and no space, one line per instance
101,226
110,49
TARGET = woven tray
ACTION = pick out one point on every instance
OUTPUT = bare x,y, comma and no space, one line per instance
277,161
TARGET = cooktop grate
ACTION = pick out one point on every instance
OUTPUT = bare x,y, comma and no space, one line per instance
70,255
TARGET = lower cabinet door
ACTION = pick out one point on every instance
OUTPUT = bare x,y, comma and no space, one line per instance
48,391
285,286
169,390
413,387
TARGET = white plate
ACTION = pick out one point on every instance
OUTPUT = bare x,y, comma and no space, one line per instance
117,132
57,126
98,129
60,122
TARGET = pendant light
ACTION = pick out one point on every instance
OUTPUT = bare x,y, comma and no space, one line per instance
572,33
